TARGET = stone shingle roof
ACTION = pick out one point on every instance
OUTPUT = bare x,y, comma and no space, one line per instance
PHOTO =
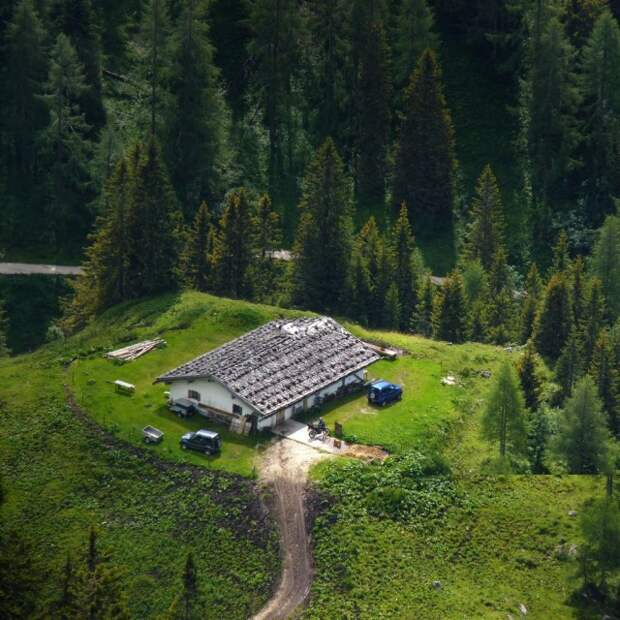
281,362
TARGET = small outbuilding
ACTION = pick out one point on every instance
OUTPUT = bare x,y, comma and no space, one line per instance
266,376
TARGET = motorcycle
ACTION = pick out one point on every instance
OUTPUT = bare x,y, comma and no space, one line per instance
318,431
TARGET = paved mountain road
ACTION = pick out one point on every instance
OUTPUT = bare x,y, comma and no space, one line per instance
30,269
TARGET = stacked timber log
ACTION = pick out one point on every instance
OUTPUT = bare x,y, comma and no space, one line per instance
134,351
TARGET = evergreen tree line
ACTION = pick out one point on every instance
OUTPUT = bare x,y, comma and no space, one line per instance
243,93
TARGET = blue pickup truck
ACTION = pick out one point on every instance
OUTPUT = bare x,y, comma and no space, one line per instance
382,393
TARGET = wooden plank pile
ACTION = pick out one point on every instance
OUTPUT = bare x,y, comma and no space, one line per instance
134,351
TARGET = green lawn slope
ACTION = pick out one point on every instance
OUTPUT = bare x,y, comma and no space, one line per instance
382,533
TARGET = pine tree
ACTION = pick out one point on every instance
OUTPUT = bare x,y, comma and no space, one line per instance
504,416
324,236
422,319
529,372
405,275
569,367
554,319
605,263
538,435
25,113
593,321
371,248
267,238
197,120
274,53
578,290
606,376
4,323
583,434
393,308
360,285
550,99
529,308
78,21
67,146
414,34
154,35
499,309
233,252
600,84
486,229
425,169
154,223
329,50
196,258
449,312
374,130
561,258
600,553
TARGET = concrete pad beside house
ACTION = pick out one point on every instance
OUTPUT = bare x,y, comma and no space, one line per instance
297,431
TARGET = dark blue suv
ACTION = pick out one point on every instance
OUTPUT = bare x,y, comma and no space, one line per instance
383,393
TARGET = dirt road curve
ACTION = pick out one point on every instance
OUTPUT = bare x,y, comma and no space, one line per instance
19,269
285,468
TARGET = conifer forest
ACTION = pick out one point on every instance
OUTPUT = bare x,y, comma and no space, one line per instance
424,171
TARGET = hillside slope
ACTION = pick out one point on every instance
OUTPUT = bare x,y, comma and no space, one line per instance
382,534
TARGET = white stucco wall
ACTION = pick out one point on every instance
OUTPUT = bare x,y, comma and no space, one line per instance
212,394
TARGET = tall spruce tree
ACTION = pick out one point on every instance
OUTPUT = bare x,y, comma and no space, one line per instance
197,119
555,317
578,290
529,306
67,147
414,34
530,377
425,168
606,376
274,52
485,235
324,236
605,263
583,437
360,284
4,324
24,112
549,99
374,119
406,262
328,51
449,311
422,319
504,416
78,20
593,320
196,258
600,552
154,35
266,239
372,250
600,84
233,250
499,309
569,367
154,221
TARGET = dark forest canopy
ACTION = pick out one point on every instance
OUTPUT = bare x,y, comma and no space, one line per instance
177,143
243,92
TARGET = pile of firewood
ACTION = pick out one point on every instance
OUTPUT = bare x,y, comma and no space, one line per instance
134,351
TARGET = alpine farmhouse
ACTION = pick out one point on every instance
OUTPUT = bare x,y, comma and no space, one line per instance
272,373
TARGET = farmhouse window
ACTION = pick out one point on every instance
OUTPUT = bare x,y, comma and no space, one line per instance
237,409
194,395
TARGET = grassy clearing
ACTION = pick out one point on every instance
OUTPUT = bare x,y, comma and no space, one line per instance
62,476
493,545
191,325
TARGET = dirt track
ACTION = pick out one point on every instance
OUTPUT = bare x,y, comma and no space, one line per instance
285,468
